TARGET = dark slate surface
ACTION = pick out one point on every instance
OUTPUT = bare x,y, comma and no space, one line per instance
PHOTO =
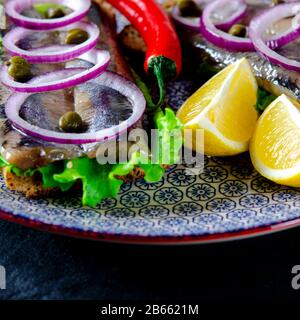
46,266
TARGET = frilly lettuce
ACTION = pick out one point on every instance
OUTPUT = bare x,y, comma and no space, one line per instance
103,181
98,181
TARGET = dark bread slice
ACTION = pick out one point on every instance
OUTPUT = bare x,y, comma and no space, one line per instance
32,187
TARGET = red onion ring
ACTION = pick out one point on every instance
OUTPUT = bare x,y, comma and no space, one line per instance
190,23
51,55
109,79
194,23
261,23
219,37
14,9
99,58
289,35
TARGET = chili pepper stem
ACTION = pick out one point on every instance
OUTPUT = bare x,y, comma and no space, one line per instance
162,69
157,71
143,87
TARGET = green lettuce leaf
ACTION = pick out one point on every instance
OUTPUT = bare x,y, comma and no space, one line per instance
264,99
48,173
102,181
3,163
169,129
93,176
169,137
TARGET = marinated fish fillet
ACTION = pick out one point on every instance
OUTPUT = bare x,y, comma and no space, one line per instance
27,152
272,78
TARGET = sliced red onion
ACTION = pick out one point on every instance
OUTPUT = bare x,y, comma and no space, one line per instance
229,16
192,23
225,17
263,22
99,58
51,55
14,9
111,80
292,33
218,37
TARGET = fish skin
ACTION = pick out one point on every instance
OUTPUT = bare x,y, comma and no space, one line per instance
272,78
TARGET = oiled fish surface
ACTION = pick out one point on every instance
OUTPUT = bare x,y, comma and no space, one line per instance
273,78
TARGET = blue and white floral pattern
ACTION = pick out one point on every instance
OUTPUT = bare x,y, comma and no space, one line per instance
264,185
180,178
208,219
227,196
120,213
241,214
174,222
201,192
188,209
254,201
220,205
168,196
233,188
108,203
244,171
135,199
286,196
154,212
275,208
214,174
144,185
214,201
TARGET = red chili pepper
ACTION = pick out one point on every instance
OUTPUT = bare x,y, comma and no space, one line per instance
163,57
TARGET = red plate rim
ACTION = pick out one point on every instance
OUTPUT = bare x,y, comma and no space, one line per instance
148,240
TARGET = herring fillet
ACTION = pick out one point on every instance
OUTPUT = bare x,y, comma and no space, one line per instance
27,152
272,78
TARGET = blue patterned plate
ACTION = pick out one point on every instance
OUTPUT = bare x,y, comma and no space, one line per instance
227,200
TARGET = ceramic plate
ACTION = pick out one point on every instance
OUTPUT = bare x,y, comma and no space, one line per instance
227,200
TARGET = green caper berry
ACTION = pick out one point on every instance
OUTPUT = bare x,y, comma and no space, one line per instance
188,8
238,30
71,122
76,36
54,13
19,69
275,2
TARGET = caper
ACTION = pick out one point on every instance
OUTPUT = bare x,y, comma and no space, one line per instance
71,122
275,2
19,69
189,8
76,36
238,30
54,13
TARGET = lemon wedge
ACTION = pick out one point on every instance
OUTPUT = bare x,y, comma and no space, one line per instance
224,108
275,146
